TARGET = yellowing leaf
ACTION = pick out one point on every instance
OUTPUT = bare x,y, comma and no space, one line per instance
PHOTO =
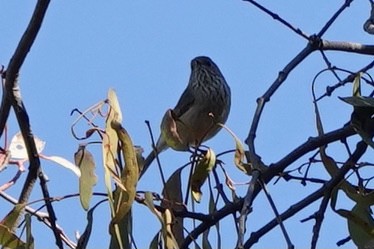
165,220
201,173
357,85
169,240
115,111
11,219
84,159
148,201
239,153
18,149
110,144
129,176
169,132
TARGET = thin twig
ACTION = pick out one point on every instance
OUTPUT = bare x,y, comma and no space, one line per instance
278,18
247,204
279,219
41,216
334,17
274,170
319,216
357,154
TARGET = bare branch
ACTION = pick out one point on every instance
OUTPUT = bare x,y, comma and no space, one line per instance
351,47
278,18
360,150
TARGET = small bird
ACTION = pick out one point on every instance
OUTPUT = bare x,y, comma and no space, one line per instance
204,103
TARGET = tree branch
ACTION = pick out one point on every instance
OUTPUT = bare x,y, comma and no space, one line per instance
12,97
274,170
360,150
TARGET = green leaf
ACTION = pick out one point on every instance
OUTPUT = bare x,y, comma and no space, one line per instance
11,219
361,225
129,177
110,140
174,200
10,240
109,150
7,237
29,237
168,236
363,107
165,219
84,160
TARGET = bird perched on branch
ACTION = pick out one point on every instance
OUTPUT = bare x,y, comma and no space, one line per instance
204,103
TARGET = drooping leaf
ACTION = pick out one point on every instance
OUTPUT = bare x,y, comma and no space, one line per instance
148,201
11,219
169,240
9,239
7,236
124,237
357,85
363,110
29,237
165,220
110,139
170,133
129,176
201,173
64,163
239,153
212,208
360,225
174,200
116,114
109,150
84,238
84,159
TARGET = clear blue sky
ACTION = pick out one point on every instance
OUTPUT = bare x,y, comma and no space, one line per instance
142,49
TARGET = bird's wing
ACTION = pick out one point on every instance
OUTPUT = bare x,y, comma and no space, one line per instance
185,102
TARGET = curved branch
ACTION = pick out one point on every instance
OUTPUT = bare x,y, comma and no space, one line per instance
273,171
310,145
360,150
282,76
